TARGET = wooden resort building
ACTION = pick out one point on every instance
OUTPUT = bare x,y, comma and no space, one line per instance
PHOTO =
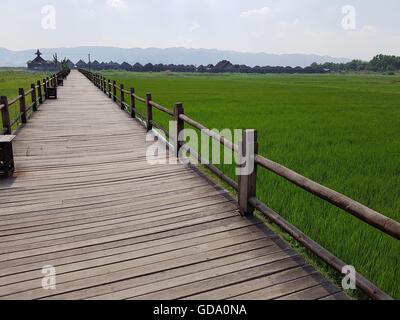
39,64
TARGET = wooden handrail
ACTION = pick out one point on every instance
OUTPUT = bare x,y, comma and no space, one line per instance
13,101
365,285
228,144
161,108
365,214
139,98
372,217
37,98
28,92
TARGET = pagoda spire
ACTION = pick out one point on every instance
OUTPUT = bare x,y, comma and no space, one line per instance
38,53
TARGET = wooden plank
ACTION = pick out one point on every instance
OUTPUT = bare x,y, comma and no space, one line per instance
86,201
6,138
257,279
337,296
239,273
318,292
80,251
131,253
279,290
126,270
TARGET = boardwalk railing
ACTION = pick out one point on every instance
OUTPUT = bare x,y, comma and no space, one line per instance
246,185
38,93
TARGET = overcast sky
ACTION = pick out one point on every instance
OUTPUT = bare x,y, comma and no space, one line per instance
273,26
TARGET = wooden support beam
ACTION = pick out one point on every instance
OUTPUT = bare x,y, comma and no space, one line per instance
33,97
180,126
45,88
248,148
39,85
133,103
122,93
5,115
149,113
22,105
114,91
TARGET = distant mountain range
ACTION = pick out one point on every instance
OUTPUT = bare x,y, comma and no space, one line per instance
185,56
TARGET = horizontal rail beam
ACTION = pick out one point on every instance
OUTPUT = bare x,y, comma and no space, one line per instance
139,98
28,92
365,285
16,120
213,168
372,217
161,108
13,101
230,145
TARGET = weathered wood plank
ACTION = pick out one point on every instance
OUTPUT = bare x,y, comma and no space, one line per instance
85,200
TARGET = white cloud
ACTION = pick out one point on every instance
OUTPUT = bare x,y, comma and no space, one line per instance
194,27
116,3
263,12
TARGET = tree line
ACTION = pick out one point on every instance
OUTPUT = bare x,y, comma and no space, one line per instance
380,63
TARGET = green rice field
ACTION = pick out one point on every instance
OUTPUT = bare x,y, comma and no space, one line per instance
11,80
342,131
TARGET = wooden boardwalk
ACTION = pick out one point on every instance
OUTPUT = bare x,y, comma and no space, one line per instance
85,200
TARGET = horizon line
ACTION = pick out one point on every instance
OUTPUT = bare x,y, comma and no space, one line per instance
182,47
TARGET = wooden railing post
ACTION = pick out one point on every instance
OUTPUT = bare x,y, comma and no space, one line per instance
248,148
180,126
39,85
122,96
114,91
149,113
104,85
22,105
33,97
109,88
133,103
5,115
45,88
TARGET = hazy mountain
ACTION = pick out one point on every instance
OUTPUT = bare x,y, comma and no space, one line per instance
165,56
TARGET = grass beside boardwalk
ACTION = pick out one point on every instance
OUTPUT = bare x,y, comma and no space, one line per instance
339,130
13,79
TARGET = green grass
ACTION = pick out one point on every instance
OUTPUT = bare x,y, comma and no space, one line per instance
13,79
339,130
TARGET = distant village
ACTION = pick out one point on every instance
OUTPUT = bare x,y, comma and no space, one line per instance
39,64
380,63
